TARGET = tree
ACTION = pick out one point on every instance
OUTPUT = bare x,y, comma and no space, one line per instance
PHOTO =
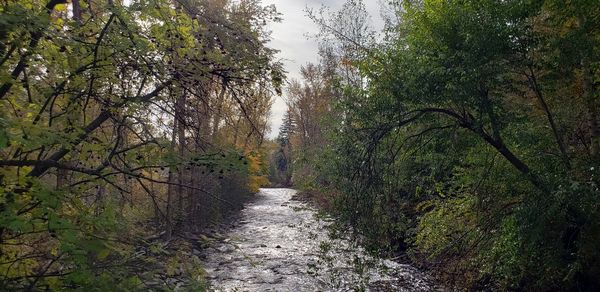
282,157
113,117
457,146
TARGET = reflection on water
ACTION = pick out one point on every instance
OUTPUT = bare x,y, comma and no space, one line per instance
281,245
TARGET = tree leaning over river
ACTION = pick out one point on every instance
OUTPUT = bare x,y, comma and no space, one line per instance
468,137
122,122
465,137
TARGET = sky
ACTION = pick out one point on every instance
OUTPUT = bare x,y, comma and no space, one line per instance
292,37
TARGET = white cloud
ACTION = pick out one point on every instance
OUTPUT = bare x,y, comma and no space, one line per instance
291,37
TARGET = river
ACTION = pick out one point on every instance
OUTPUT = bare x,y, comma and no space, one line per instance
280,244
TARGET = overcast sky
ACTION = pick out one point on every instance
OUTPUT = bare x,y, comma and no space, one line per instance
292,38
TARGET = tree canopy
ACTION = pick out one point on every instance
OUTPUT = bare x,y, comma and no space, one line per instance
122,120
469,138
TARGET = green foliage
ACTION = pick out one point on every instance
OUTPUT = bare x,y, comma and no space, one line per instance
120,120
456,145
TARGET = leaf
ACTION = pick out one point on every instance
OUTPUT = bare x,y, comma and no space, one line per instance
103,253
60,7
3,139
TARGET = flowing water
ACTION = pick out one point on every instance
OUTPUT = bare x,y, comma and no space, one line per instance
281,244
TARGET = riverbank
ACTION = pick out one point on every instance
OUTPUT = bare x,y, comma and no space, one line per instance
324,203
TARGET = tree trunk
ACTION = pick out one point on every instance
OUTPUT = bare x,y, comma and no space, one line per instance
591,101
179,116
77,13
218,111
557,136
170,188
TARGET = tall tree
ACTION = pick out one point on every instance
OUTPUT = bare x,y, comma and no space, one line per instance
106,117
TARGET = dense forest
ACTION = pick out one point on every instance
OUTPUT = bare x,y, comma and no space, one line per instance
124,122
463,138
467,137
